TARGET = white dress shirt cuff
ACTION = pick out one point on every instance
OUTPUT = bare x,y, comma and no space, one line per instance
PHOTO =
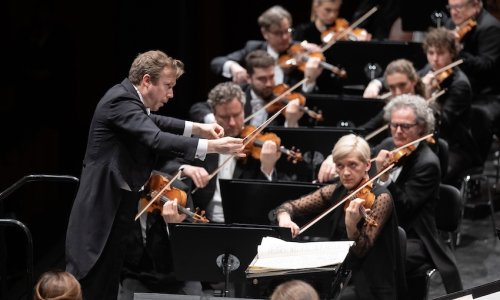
210,118
226,68
188,128
268,176
201,150
308,87
384,183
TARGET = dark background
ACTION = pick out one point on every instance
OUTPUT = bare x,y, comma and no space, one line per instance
59,58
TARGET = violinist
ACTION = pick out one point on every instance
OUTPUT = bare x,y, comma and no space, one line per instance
276,28
453,107
325,19
414,185
481,45
481,54
227,102
258,90
400,77
375,258
148,265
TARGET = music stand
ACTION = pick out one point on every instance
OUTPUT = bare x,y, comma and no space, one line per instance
217,252
315,144
345,110
252,202
355,57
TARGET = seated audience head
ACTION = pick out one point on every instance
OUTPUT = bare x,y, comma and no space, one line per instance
402,78
294,290
227,101
440,47
260,68
325,12
409,118
462,10
276,27
155,74
59,285
351,155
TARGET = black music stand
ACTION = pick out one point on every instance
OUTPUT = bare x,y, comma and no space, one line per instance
344,111
253,201
315,144
217,252
356,57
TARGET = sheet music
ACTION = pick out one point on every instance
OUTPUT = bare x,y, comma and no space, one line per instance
276,254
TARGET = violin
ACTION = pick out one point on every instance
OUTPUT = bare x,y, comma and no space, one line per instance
366,194
356,34
399,153
282,88
155,185
254,149
443,73
464,28
297,56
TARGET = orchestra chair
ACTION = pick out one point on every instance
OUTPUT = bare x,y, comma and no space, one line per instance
471,189
475,185
448,215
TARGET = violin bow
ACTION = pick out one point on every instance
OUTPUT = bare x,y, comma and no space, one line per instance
436,95
246,140
452,65
166,187
408,144
413,142
329,210
349,29
278,98
376,131
385,96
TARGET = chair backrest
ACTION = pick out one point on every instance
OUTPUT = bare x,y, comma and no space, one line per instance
448,208
402,243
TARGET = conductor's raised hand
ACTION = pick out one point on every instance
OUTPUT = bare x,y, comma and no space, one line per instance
208,131
227,145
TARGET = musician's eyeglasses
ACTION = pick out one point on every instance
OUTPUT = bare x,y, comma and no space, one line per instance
403,126
281,32
458,7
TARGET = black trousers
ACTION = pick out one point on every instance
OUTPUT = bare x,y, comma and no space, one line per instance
103,279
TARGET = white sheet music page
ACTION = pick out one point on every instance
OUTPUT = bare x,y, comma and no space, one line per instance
276,254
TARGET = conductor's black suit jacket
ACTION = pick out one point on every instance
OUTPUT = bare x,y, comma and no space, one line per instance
123,144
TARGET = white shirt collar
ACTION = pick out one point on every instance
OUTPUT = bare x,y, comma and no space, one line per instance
142,99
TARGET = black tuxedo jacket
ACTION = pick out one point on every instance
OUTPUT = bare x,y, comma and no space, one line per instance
481,54
123,145
416,192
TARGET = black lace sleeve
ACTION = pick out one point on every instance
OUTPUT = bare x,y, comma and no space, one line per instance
310,204
381,212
